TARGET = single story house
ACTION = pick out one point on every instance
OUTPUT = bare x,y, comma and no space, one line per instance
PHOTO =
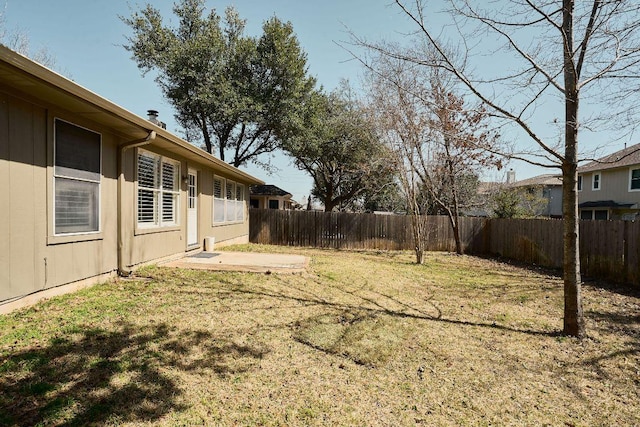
269,197
90,189
609,187
541,195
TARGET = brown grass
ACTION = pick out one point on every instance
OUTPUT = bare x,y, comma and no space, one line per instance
362,338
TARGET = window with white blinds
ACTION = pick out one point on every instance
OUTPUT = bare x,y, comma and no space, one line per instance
76,179
218,200
158,190
228,201
239,202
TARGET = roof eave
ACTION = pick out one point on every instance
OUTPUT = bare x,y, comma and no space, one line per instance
62,83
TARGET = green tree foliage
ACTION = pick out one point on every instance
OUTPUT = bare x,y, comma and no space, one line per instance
242,95
519,202
340,151
507,204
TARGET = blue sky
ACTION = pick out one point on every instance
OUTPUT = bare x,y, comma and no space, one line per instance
86,38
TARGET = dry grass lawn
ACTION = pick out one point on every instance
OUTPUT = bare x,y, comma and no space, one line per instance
361,338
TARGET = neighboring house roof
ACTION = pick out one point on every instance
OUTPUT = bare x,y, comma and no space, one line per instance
488,187
36,80
540,180
626,157
605,204
267,190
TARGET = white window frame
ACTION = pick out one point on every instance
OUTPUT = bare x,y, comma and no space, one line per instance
67,174
159,192
598,181
631,169
579,182
231,201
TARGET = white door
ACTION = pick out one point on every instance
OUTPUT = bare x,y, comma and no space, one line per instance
192,209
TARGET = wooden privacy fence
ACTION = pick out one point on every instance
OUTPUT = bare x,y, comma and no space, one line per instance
608,249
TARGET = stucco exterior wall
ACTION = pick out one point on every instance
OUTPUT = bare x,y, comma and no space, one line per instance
31,257
142,245
614,185
555,201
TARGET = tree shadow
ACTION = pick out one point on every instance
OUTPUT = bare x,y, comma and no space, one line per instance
400,310
111,376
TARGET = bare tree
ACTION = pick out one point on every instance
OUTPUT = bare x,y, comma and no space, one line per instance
18,40
551,54
440,142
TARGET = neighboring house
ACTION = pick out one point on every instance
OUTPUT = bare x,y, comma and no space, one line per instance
609,188
541,195
481,205
90,189
269,197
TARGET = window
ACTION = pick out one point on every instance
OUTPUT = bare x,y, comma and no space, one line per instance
273,204
595,182
634,179
158,190
191,193
231,204
239,202
601,215
579,182
228,201
76,179
598,214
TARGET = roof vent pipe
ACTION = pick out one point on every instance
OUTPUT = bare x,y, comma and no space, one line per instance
153,118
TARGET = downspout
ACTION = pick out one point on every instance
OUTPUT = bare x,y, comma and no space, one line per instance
122,269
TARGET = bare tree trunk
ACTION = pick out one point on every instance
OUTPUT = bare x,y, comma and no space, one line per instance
455,227
573,316
419,233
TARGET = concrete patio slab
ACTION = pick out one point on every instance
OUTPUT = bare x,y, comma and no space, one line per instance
242,261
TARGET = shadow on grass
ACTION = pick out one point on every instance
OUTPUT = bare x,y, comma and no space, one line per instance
372,306
98,376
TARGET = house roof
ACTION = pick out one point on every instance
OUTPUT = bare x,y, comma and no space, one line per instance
540,180
488,187
268,190
626,157
29,77
605,204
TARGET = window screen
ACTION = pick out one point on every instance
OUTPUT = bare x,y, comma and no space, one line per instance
76,179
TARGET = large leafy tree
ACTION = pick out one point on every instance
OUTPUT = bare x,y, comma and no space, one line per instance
238,94
340,150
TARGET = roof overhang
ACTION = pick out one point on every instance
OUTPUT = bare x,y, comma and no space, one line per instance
42,84
607,204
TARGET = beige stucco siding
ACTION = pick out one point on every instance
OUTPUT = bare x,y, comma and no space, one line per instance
142,245
614,185
31,257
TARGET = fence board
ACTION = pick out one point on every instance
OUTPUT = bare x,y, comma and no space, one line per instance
609,249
